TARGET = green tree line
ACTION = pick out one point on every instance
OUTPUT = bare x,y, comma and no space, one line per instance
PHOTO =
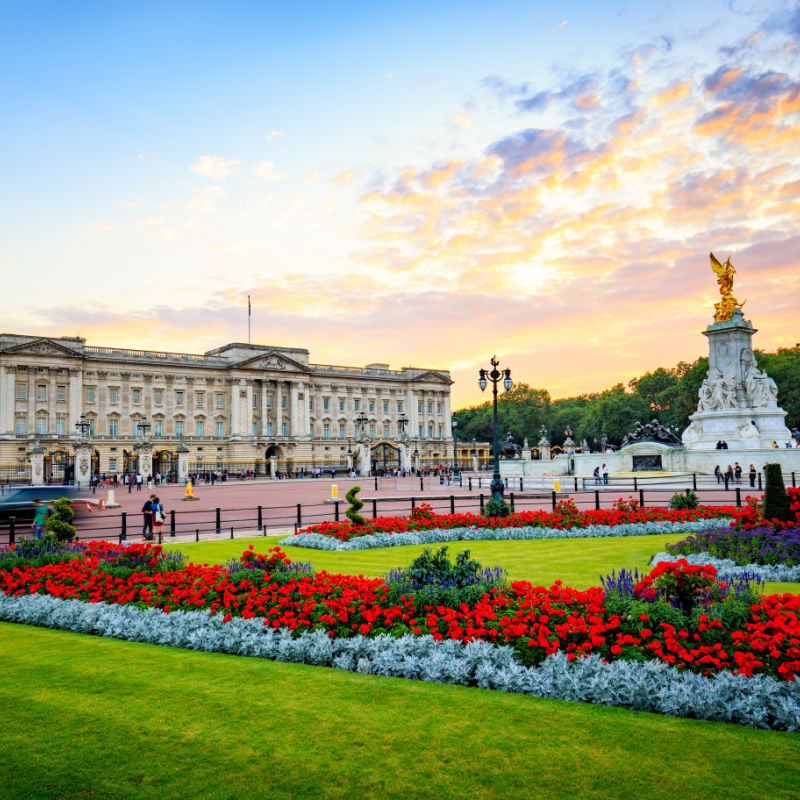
666,394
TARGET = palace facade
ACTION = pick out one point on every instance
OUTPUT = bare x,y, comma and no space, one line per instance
239,406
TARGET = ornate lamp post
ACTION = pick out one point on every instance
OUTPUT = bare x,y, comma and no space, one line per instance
416,456
84,426
144,429
402,421
454,424
495,376
361,420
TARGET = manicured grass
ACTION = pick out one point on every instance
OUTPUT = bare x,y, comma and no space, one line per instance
577,562
85,717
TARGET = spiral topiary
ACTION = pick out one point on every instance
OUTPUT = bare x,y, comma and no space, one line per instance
355,506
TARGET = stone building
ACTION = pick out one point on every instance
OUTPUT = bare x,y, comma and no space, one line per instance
237,407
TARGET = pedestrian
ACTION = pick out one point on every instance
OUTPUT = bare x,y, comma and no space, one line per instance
596,475
737,470
147,516
139,480
753,475
40,514
158,516
718,474
728,475
605,475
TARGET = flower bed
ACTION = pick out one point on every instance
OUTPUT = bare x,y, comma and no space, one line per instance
761,544
565,517
679,616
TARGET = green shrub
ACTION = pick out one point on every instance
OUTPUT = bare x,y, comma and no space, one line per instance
59,523
496,508
683,500
355,506
776,499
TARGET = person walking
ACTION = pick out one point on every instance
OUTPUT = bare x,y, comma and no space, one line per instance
40,514
596,475
605,475
147,518
718,474
728,476
753,475
158,516
737,471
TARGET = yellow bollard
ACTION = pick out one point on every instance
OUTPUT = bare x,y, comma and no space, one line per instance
556,485
334,492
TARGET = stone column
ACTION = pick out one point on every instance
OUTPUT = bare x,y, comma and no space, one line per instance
51,403
83,464
294,410
234,409
145,452
183,462
264,393
278,409
448,427
75,398
7,397
248,413
32,398
37,464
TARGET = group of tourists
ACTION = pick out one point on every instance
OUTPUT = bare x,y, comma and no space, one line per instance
733,474
600,475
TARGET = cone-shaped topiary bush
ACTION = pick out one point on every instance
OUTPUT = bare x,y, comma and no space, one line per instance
776,500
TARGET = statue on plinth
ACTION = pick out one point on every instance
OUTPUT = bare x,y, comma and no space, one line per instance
728,304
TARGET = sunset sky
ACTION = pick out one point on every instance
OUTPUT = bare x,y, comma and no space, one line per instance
416,183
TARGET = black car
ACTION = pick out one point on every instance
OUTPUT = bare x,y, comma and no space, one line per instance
19,502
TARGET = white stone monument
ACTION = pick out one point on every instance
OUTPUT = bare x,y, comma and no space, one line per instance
738,402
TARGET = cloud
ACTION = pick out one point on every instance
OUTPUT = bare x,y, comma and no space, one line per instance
215,167
274,135
266,171
205,201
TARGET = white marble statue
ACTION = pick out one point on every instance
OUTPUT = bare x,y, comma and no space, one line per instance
762,391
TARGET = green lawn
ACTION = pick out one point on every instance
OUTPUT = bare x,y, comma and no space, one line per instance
85,717
576,562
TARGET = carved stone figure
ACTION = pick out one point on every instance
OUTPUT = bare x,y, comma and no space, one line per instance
762,391
652,431
509,448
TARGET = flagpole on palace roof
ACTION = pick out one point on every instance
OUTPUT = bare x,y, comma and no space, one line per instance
248,319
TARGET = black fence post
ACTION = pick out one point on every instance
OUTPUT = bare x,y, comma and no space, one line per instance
520,485
469,481
635,485
197,534
421,487
641,498
413,504
760,489
261,517
554,499
481,505
452,504
299,516
596,499
576,483
505,480
218,512
12,528
726,482
738,496
374,508
336,510
123,534
511,500
231,533
376,483
694,481
794,484
172,523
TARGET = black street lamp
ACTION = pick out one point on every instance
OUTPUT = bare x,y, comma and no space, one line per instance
349,449
416,456
495,376
402,421
144,429
361,420
84,426
454,424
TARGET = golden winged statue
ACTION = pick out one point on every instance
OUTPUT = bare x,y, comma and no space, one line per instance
728,304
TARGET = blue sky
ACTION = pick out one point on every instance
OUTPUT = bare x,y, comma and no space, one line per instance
417,183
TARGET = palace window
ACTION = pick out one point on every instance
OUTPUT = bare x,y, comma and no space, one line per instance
113,427
179,427
22,391
219,399
356,404
255,401
199,427
386,430
41,424
90,394
438,408
341,404
430,407
326,402
372,405
112,464
61,394
372,430
179,398
341,431
284,429
158,428
200,399
283,402
430,431
419,406
385,406
20,425
158,397
269,401
41,392
113,396
269,429
399,406
136,397
326,431
135,427
310,403
220,428
61,426
255,428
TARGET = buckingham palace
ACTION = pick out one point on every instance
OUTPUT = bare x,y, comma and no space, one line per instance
240,407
